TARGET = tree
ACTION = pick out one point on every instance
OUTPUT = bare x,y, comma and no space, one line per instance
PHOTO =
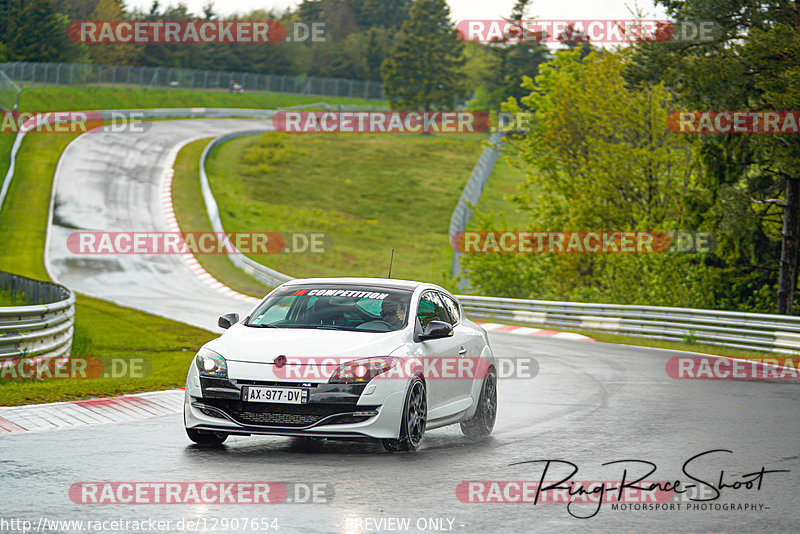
34,31
381,13
109,53
423,67
596,157
76,9
376,51
169,54
749,64
496,69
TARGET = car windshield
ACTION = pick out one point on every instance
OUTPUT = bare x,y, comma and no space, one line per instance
357,308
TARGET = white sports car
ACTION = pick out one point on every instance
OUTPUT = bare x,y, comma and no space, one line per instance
344,358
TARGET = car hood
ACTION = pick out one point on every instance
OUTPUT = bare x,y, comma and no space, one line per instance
262,345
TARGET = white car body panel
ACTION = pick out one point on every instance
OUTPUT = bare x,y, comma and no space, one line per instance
250,353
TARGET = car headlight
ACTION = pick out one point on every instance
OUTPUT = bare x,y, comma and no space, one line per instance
361,371
209,363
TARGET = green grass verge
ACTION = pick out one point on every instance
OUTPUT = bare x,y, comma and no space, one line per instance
368,193
102,329
12,298
108,331
502,182
191,214
80,98
75,98
6,141
23,218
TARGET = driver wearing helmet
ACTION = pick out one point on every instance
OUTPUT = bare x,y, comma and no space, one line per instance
393,311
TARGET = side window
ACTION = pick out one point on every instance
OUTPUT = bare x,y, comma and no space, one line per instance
431,309
452,309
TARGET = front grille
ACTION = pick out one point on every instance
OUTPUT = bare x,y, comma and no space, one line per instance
240,382
288,415
279,419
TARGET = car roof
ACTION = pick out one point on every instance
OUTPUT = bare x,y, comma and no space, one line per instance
356,281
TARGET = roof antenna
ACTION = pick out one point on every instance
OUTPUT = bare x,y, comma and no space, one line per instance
390,264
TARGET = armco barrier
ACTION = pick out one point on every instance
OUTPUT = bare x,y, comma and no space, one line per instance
159,113
746,331
171,113
472,193
42,330
265,275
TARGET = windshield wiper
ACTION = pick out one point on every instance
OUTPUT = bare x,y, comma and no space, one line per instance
261,325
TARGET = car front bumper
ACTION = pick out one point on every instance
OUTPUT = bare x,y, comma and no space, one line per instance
372,410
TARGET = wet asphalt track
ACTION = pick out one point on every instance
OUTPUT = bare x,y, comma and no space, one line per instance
591,403
111,182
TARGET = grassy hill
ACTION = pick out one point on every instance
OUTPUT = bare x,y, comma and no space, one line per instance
81,98
368,192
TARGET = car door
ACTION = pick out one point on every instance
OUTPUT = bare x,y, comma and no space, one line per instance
441,355
468,352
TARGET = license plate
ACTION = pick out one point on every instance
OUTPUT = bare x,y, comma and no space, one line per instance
276,395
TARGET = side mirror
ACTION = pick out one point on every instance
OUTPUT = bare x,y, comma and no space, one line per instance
436,330
228,320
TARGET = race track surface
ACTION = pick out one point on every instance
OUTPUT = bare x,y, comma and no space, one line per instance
590,404
111,182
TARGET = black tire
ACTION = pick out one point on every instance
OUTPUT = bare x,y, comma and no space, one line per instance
481,424
415,416
207,439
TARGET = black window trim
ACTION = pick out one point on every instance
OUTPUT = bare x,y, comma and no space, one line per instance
458,306
440,294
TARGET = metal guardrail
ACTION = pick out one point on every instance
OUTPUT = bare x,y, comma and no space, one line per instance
263,274
472,193
154,113
746,331
42,330
9,93
29,74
